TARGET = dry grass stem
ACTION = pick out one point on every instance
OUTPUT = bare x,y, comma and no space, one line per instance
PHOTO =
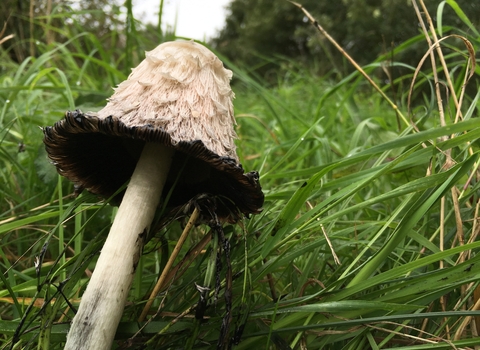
467,43
440,54
405,335
435,47
8,37
335,257
432,60
466,321
168,266
178,270
351,60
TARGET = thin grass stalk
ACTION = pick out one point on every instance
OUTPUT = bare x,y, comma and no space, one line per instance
439,53
31,22
456,206
168,266
9,284
78,242
129,34
437,47
300,335
466,321
432,60
208,280
439,98
352,61
48,31
458,113
61,232
160,14
178,270
443,301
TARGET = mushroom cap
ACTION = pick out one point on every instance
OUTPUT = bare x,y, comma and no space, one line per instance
178,96
183,88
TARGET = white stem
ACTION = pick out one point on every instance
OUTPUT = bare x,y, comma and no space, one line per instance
102,304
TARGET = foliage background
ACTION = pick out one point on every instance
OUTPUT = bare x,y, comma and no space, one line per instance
368,238
366,29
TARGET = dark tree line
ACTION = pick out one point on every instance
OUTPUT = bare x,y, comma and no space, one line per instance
258,29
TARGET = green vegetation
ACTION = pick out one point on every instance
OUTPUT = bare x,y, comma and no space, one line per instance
367,29
368,238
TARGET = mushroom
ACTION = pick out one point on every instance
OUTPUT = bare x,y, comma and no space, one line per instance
169,130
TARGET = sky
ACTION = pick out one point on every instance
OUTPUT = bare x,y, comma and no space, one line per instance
196,19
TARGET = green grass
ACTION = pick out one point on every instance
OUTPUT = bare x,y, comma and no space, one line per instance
368,238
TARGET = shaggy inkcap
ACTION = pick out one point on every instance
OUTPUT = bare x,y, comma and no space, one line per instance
178,96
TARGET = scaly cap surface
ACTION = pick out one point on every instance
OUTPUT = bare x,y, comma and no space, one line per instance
183,88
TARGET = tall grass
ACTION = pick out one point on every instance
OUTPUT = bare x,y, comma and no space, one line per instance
368,238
